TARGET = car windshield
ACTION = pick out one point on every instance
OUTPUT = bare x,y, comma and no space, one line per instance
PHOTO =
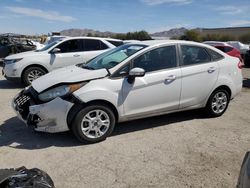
113,57
48,46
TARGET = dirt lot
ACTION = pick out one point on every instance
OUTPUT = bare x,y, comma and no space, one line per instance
177,150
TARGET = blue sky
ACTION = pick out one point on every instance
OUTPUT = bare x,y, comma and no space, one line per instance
43,16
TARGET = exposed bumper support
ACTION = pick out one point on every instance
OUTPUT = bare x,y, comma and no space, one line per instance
48,117
52,115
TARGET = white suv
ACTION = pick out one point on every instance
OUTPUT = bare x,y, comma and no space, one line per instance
130,82
28,66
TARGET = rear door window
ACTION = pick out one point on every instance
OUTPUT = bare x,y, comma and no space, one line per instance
94,45
192,55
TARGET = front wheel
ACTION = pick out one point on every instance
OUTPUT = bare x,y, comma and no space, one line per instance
217,103
31,74
93,123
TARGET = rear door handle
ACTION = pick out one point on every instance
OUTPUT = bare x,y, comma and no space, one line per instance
76,55
170,78
211,70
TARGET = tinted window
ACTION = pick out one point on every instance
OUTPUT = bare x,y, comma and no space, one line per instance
93,45
115,43
70,46
215,55
192,55
228,49
221,48
157,59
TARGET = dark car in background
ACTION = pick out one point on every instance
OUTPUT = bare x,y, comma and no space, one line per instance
247,59
12,44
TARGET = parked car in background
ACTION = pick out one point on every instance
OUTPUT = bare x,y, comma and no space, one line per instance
12,45
243,48
214,43
29,66
133,81
230,51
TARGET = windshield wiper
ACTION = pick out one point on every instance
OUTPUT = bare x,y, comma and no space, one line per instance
87,67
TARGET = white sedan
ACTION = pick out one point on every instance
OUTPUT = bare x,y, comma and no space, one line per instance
132,81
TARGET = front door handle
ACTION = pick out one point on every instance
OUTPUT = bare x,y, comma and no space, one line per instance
76,55
211,70
170,78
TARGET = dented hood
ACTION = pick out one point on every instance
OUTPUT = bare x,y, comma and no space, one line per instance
69,74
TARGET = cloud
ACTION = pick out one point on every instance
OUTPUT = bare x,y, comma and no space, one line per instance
231,10
158,2
240,23
47,15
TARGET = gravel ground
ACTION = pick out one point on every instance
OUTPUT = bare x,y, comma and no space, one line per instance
177,150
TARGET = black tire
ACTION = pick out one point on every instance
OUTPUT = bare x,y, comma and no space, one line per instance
209,108
27,72
76,126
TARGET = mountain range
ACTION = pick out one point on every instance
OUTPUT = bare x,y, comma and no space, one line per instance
175,32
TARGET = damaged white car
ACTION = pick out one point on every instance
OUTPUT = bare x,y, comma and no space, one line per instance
129,82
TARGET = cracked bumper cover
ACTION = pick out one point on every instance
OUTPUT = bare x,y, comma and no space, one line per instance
49,117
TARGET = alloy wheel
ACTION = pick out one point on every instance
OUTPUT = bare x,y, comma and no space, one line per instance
219,102
34,74
95,124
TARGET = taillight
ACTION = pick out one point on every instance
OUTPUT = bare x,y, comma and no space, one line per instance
240,65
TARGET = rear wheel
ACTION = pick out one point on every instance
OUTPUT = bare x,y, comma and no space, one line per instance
93,123
31,74
217,103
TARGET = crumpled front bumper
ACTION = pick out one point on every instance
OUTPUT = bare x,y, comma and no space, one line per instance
47,117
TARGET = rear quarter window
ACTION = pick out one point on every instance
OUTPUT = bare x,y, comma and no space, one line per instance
215,55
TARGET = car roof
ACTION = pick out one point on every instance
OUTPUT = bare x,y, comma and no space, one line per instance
162,42
99,38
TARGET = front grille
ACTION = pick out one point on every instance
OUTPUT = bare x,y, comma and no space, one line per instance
24,100
22,104
21,100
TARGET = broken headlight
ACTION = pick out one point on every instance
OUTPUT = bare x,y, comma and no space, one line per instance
59,91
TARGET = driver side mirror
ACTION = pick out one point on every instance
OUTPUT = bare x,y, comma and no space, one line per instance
55,50
135,72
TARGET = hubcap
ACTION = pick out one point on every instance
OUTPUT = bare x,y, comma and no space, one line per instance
34,74
95,124
219,102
